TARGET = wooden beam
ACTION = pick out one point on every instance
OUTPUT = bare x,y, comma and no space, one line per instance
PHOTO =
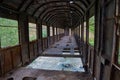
56,35
48,36
53,35
87,38
60,55
39,37
24,37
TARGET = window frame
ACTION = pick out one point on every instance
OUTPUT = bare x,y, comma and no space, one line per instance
46,31
118,43
10,26
94,30
34,28
51,31
117,34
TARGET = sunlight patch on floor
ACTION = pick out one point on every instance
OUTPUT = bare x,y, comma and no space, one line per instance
58,63
67,53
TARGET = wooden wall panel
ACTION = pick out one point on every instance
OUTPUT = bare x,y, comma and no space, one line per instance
43,42
2,61
107,71
16,56
51,40
97,68
7,61
39,47
24,52
31,46
10,58
36,49
91,60
115,73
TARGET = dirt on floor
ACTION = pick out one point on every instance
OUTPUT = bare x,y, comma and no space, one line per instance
38,74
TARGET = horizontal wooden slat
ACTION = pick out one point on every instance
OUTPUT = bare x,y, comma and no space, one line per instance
10,58
16,56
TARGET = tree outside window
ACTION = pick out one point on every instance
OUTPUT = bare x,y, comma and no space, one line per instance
91,30
8,32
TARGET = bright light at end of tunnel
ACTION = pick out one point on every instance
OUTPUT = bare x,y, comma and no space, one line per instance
71,12
71,2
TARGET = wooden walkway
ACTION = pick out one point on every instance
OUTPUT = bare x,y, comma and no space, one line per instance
65,47
47,75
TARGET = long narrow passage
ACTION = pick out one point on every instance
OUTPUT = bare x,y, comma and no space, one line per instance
66,46
55,68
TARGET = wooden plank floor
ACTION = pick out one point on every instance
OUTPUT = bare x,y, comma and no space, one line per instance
57,48
66,46
47,75
58,63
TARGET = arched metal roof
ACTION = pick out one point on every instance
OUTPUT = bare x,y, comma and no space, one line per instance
59,12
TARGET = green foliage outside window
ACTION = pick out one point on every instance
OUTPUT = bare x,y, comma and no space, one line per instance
32,32
91,30
44,31
8,32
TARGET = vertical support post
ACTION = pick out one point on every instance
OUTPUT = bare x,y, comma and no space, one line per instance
63,32
82,39
48,36
39,36
79,38
53,39
66,31
97,35
79,31
87,40
24,37
82,30
56,35
0,41
101,31
0,59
